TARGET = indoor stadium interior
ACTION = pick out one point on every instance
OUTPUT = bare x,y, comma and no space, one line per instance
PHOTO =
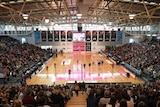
80,53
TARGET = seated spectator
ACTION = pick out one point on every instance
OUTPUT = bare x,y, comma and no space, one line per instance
17,58
130,102
41,98
123,103
17,103
5,103
141,104
57,98
28,99
113,102
104,100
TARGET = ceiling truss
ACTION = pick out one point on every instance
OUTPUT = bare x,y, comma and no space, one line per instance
64,11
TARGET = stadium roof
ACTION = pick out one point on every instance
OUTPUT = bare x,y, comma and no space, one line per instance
116,12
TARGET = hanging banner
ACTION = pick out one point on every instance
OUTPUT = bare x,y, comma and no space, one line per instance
43,36
56,35
63,36
113,35
88,35
107,36
94,35
100,37
119,36
50,36
69,35
37,36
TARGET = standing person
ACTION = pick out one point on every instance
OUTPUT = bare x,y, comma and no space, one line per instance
69,72
102,62
105,99
47,69
84,66
91,99
83,86
113,102
55,69
63,62
76,88
89,68
123,103
129,100
99,63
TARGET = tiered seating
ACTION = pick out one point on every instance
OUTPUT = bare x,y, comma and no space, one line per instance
34,96
137,57
98,95
20,60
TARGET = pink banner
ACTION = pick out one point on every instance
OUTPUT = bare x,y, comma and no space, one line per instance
78,46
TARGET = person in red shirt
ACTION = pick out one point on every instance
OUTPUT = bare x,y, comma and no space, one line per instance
28,99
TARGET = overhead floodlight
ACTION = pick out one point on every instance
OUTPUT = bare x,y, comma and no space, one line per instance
109,23
152,3
79,16
25,16
136,1
46,20
131,16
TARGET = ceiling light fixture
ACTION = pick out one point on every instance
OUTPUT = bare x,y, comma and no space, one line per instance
110,23
46,20
79,16
25,16
131,16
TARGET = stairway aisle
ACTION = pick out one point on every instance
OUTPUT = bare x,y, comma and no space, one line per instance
77,101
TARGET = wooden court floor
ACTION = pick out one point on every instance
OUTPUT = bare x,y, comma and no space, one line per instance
60,66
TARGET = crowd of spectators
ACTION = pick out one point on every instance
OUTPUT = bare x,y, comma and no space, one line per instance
34,96
17,59
98,95
144,56
124,95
